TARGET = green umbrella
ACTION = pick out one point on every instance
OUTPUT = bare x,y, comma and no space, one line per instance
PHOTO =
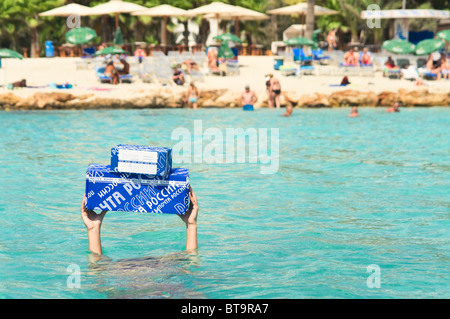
80,35
118,39
444,34
225,51
9,54
228,37
299,41
429,46
398,46
110,50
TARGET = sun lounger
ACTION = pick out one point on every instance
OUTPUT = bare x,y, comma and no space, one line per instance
197,76
318,56
100,73
232,67
306,69
287,69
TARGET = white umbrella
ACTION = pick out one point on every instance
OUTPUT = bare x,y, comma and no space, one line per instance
241,13
301,9
215,9
67,10
165,11
116,7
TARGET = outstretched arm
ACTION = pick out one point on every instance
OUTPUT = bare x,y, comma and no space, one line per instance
190,219
93,223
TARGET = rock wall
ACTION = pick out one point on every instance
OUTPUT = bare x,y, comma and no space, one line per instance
221,98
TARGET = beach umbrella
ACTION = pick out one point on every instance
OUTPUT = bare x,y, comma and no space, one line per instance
164,11
110,50
299,41
398,46
116,7
240,13
225,51
228,37
301,9
215,9
9,54
118,39
429,46
80,35
444,35
67,10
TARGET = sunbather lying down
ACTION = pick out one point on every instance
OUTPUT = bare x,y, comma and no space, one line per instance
191,64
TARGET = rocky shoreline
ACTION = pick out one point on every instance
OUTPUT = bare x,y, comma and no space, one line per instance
222,98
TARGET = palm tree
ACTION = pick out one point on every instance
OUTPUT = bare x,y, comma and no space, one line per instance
310,19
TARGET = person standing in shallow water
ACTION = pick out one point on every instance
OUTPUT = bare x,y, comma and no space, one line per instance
192,95
248,99
93,223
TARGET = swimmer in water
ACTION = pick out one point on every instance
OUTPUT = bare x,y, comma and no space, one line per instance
93,223
393,108
354,112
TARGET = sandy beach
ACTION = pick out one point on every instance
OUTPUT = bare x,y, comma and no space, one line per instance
40,72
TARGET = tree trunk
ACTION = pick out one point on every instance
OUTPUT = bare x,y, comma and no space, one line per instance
35,48
310,19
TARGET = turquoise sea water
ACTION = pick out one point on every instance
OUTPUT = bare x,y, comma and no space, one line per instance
348,193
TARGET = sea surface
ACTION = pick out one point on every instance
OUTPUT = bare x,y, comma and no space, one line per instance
353,207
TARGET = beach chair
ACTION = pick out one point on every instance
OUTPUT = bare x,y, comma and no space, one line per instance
394,73
232,67
402,63
197,76
304,59
288,69
100,73
318,56
306,69
163,75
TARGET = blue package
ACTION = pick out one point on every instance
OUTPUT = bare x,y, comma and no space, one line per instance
107,190
141,159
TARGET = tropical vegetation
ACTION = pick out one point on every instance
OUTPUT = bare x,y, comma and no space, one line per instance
22,29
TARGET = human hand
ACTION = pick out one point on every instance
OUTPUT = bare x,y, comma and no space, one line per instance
91,219
190,217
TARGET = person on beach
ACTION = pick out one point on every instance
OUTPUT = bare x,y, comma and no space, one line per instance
213,60
126,67
192,95
178,76
393,108
112,72
350,59
274,89
191,64
140,54
366,58
248,99
331,39
434,64
445,66
354,112
93,223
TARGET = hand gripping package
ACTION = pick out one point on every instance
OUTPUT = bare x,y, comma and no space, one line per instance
131,192
141,159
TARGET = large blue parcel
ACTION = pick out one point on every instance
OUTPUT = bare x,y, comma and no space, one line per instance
139,159
108,190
